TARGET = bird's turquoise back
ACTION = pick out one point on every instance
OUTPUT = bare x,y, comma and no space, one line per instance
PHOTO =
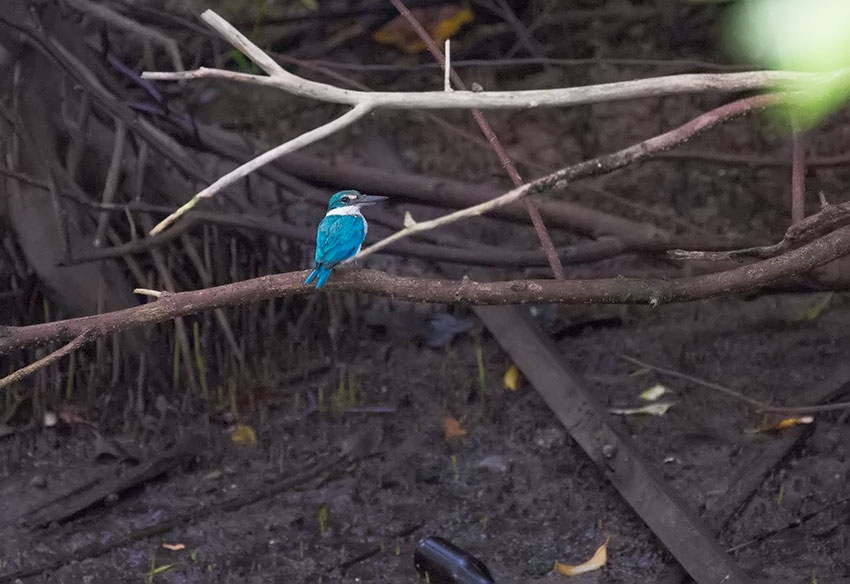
339,238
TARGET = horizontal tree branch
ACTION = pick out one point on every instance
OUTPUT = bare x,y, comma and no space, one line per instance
652,291
517,99
654,87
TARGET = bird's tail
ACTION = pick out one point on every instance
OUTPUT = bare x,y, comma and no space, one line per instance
320,275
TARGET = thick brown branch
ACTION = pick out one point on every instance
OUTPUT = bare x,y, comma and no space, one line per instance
607,290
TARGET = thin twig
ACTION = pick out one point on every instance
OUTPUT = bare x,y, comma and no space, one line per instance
596,166
807,229
112,177
517,62
494,142
119,20
756,404
149,292
753,160
447,68
798,176
797,522
50,166
533,47
77,342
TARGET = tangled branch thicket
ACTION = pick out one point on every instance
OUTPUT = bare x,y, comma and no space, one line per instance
48,186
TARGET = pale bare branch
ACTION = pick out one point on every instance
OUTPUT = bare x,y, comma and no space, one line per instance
241,172
521,99
652,87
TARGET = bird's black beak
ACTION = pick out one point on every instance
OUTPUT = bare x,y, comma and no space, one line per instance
370,199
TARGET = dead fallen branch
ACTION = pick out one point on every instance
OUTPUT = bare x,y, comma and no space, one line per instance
70,504
611,449
652,291
356,448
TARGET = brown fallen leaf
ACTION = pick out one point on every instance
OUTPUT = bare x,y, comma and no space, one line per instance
452,428
787,423
597,561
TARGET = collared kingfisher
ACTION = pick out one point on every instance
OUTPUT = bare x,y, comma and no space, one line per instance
341,233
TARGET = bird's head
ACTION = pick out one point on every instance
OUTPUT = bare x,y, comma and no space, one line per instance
352,199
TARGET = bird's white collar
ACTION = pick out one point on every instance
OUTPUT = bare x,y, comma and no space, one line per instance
347,210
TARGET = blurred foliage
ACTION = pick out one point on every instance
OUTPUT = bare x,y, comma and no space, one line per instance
442,23
791,35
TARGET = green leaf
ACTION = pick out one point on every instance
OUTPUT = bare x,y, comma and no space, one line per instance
654,392
817,307
244,63
809,37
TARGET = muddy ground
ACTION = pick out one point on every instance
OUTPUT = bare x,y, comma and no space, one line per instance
515,490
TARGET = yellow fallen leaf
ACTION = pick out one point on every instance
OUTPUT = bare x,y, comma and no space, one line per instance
244,434
787,423
511,378
323,514
654,392
441,23
452,428
174,547
161,569
817,307
597,561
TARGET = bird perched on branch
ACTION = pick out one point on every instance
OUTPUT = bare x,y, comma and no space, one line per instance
341,233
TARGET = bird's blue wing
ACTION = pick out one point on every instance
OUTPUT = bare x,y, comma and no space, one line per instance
339,237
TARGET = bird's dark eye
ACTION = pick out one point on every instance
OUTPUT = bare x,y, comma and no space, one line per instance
345,199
